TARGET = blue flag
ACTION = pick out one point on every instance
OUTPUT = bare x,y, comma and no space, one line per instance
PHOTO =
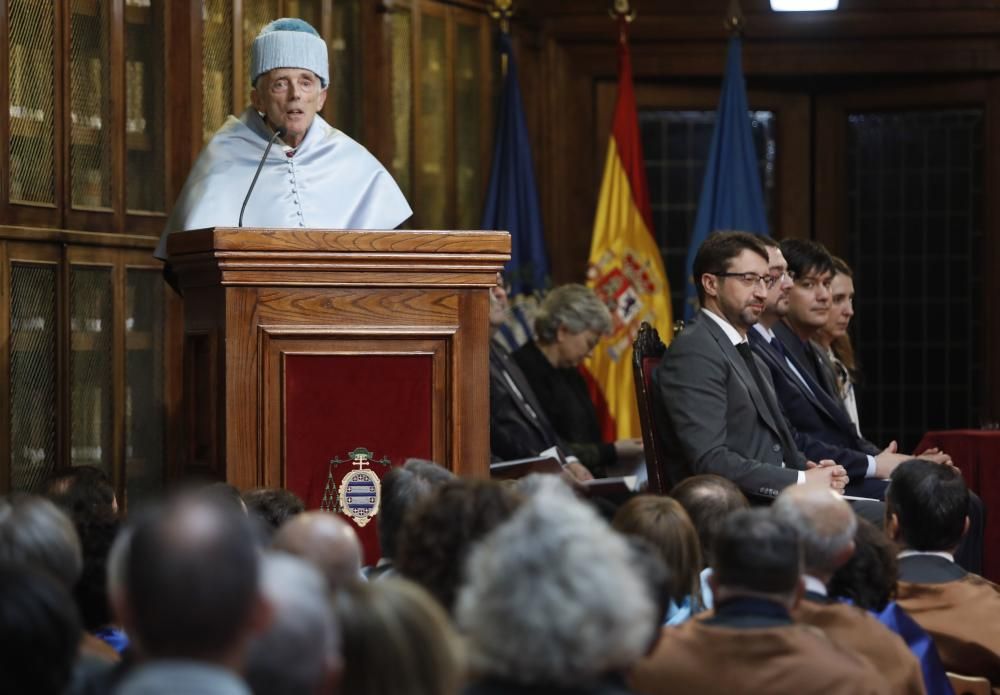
512,198
731,194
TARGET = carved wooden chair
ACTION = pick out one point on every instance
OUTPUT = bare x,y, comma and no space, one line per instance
647,351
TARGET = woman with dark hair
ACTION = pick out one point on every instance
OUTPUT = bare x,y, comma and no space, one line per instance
835,341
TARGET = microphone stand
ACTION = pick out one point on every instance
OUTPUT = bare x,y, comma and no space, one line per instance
278,133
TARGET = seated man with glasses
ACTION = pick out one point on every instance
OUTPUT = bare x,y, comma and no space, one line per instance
721,413
317,178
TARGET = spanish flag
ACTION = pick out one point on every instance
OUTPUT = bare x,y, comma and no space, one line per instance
625,267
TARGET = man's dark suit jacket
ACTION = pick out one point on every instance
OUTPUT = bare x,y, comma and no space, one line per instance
519,427
716,418
817,414
813,415
564,395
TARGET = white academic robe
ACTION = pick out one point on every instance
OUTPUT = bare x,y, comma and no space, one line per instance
331,182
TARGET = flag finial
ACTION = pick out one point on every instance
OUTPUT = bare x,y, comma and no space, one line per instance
735,21
622,10
502,11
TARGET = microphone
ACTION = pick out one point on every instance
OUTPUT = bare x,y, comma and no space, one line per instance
278,133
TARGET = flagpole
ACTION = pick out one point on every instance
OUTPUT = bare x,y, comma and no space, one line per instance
502,11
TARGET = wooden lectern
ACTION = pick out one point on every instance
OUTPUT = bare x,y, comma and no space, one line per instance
302,347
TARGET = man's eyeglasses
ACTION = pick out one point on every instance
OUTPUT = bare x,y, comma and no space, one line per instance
751,279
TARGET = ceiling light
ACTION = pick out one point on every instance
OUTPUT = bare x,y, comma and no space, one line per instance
803,5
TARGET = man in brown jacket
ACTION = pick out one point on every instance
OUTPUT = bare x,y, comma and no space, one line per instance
827,526
750,644
927,514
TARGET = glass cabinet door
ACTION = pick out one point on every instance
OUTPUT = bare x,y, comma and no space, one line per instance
256,15
145,181
90,367
401,91
32,378
144,316
430,201
31,65
216,64
469,81
90,105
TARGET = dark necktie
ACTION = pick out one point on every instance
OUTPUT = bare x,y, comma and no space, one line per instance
747,354
772,406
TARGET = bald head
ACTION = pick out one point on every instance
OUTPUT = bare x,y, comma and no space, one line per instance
325,540
826,525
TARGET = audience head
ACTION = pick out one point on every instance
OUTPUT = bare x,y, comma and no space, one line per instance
300,650
809,297
441,530
869,577
82,492
41,632
402,489
757,554
327,541
273,506
396,638
708,500
551,597
571,319
35,532
926,506
733,297
663,522
191,589
826,525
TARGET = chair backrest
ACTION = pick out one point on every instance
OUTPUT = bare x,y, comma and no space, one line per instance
969,685
647,351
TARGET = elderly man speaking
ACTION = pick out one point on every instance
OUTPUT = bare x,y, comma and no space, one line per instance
314,176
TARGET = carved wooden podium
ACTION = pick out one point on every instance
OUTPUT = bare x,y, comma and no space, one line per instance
303,346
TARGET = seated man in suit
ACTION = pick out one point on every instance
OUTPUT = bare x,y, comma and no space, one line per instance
827,526
720,410
927,509
750,643
798,297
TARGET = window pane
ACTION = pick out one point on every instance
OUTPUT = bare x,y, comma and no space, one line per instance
915,191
